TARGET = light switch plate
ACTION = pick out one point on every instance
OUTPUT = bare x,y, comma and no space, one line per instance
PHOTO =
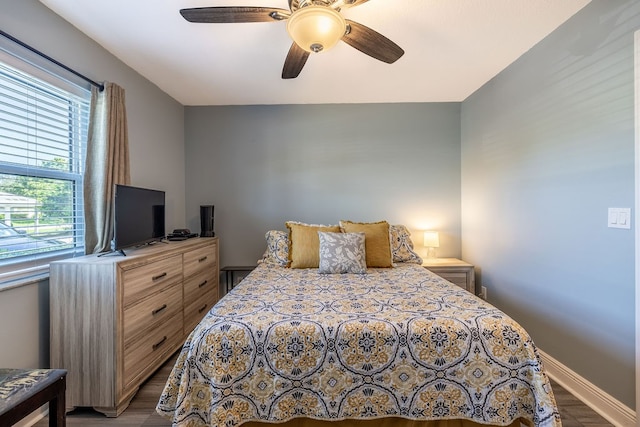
619,218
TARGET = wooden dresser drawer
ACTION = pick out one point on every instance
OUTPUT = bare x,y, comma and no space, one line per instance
198,284
196,310
200,260
140,354
151,311
145,279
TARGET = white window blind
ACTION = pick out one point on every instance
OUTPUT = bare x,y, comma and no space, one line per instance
43,133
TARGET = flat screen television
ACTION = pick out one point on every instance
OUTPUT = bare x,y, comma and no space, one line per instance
138,216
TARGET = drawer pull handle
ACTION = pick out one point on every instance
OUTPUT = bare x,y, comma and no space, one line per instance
203,308
158,310
159,343
204,258
202,284
159,276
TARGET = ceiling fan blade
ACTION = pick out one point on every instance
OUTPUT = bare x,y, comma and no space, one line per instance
296,58
232,14
372,43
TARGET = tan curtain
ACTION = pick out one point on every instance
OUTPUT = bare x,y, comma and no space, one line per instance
107,164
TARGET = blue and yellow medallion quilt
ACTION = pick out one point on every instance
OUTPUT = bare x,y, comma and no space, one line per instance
395,342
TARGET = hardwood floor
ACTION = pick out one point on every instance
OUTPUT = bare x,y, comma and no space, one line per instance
141,412
573,412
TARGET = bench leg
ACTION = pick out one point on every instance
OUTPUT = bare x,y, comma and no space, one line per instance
57,410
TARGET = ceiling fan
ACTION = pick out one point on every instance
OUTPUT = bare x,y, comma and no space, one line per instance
314,26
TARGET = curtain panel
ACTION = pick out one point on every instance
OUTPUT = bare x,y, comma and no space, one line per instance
107,164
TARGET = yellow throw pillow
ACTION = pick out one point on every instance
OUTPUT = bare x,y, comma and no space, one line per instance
304,243
377,244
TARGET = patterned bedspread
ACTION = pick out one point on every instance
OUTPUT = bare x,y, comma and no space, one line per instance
401,342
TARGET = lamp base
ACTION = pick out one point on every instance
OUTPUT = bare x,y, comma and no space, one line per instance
431,253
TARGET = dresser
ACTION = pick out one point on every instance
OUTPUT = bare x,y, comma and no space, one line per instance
116,319
454,270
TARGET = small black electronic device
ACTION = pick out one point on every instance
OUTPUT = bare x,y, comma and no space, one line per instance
206,221
181,234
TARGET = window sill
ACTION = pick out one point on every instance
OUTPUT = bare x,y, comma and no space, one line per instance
26,273
24,279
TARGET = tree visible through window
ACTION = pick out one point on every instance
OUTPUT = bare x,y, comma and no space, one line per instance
43,131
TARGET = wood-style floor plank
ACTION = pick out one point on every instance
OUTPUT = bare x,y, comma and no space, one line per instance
573,412
141,412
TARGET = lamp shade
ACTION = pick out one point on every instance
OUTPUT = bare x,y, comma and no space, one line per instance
316,28
431,239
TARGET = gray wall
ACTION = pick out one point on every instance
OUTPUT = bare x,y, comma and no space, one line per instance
24,326
547,147
263,165
156,138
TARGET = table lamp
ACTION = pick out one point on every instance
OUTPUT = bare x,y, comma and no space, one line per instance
431,242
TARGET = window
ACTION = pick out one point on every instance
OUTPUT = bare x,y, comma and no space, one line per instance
43,133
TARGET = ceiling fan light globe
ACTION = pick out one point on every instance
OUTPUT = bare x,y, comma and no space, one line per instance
316,28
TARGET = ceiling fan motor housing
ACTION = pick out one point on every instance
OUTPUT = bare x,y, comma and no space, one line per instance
316,28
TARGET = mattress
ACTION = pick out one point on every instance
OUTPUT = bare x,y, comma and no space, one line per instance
401,343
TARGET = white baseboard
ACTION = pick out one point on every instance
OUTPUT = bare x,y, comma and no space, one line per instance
604,404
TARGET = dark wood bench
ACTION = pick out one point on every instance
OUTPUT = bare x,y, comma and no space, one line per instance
22,391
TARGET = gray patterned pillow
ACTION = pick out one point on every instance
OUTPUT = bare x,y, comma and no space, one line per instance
277,251
342,253
402,246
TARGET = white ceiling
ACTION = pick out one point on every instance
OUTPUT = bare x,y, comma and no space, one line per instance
452,47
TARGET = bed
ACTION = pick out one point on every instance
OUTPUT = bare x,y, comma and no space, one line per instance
397,345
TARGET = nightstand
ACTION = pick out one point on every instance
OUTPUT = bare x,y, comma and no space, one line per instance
454,270
230,274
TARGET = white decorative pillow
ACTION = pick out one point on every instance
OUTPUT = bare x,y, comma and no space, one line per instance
277,251
402,246
342,253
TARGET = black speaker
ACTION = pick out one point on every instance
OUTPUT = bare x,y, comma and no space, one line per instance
206,221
